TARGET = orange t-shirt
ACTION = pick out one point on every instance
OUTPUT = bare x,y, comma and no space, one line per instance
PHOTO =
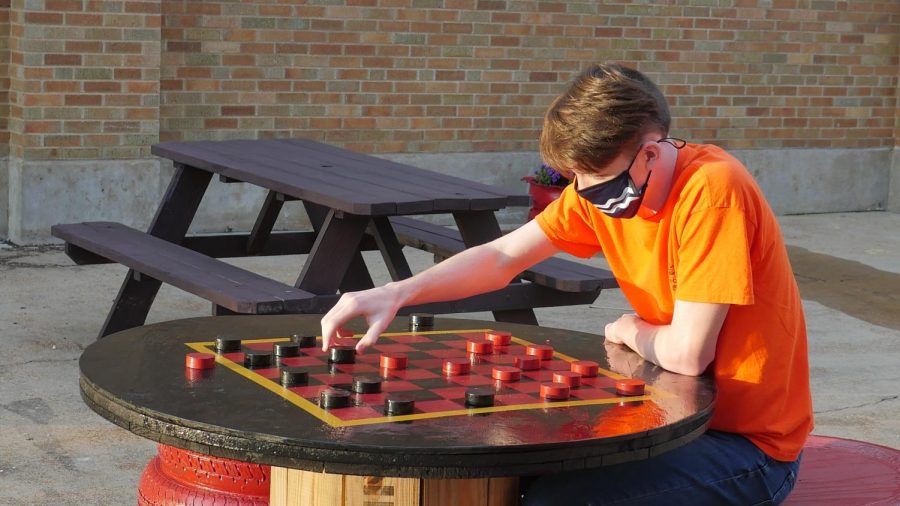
717,241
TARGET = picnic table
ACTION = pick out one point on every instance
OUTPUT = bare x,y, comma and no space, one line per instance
355,202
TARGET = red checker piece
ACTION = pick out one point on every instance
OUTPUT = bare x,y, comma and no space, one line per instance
499,337
630,386
542,351
528,363
506,373
200,360
586,368
554,391
342,332
393,361
480,347
457,365
573,379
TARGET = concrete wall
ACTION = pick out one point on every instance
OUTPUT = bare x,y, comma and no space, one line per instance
45,193
894,192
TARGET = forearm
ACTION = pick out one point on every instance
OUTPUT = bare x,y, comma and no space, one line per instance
470,272
660,345
686,346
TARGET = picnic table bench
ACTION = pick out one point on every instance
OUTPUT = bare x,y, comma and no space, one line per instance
355,203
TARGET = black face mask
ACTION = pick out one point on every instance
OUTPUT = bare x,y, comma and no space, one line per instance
620,197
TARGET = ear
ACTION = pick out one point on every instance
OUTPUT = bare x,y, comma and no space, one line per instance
651,154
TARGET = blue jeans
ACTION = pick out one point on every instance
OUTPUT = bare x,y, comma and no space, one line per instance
716,468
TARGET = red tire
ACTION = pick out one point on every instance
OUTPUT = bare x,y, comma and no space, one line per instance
176,477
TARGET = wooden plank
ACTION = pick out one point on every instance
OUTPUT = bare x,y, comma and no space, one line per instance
449,193
357,276
448,181
368,185
503,491
391,249
262,228
278,486
226,285
332,253
558,273
380,491
171,222
300,181
472,492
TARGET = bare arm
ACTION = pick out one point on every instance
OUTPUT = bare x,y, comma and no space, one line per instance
481,269
686,346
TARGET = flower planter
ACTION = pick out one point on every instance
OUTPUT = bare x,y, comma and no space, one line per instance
541,195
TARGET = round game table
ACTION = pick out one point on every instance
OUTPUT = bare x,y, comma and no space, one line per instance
444,452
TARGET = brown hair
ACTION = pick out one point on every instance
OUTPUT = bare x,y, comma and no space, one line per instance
606,109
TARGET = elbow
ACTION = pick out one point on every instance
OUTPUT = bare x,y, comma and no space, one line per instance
690,364
691,369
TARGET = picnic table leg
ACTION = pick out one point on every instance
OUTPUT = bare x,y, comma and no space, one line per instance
335,249
479,227
391,249
265,221
357,276
173,217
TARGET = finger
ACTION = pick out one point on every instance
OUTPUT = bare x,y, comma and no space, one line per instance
328,333
372,334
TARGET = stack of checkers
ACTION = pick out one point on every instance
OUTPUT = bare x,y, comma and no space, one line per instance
422,372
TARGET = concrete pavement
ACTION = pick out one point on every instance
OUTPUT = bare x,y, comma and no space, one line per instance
54,450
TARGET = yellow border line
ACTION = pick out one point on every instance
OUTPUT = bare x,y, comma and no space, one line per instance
323,415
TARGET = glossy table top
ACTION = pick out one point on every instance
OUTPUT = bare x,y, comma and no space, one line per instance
137,379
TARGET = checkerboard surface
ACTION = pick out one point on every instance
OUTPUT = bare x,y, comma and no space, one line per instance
423,380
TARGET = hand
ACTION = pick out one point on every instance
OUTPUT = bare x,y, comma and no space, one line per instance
378,306
618,331
621,359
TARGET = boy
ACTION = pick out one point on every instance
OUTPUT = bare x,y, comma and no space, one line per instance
698,254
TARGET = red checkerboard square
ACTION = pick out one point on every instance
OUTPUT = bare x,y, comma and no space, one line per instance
437,406
528,387
355,413
556,365
394,348
309,391
451,392
513,399
411,374
266,346
415,338
448,353
425,363
371,399
585,394
333,379
300,361
356,369
475,336
472,380
399,386
270,373
599,382
236,357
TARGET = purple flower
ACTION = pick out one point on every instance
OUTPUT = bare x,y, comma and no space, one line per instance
547,175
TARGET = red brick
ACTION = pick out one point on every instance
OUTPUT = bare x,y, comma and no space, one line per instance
239,110
62,59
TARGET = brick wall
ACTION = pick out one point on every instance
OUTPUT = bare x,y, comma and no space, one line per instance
104,79
84,78
4,78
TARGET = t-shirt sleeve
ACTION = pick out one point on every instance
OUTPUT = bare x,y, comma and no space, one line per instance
714,258
568,226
